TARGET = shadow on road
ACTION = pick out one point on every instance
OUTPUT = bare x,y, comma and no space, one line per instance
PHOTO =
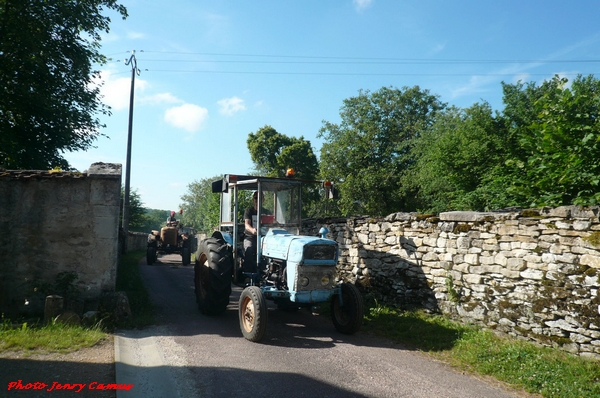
46,372
171,289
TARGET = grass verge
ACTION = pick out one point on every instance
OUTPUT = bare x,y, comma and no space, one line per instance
48,338
542,370
129,280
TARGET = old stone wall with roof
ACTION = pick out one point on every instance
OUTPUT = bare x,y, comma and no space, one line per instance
54,222
533,274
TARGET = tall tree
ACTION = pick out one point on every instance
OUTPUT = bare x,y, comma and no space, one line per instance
153,219
370,150
48,102
137,212
273,153
456,160
201,206
557,129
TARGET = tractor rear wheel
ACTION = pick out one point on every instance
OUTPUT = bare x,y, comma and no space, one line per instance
347,316
212,276
253,313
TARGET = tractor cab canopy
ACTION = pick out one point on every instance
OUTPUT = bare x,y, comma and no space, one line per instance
279,201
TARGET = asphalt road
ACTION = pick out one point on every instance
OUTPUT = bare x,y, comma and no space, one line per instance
302,355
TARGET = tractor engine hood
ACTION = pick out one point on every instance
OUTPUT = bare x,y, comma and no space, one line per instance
302,250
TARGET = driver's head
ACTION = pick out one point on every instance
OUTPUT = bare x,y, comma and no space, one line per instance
255,196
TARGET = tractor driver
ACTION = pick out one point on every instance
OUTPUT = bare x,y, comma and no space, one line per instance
171,221
250,233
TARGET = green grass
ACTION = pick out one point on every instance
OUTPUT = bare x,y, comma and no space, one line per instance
56,337
130,281
546,371
48,338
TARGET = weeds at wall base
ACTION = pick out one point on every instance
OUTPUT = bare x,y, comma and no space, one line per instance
542,370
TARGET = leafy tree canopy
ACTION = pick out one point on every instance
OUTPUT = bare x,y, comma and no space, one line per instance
153,219
557,131
455,158
48,102
273,153
371,149
136,210
201,206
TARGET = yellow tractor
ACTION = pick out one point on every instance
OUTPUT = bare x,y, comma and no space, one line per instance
169,240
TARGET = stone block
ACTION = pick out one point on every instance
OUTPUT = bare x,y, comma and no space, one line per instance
501,259
392,240
511,274
579,225
533,274
472,279
487,260
590,260
472,259
516,264
463,242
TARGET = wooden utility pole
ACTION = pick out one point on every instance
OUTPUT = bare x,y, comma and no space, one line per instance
125,225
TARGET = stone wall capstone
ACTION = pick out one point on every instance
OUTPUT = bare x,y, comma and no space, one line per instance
533,274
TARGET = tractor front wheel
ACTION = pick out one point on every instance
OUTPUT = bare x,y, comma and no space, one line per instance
150,255
347,315
253,314
185,256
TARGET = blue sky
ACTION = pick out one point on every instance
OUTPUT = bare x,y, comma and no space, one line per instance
214,71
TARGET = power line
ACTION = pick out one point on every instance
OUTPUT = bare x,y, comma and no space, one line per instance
357,74
405,62
379,59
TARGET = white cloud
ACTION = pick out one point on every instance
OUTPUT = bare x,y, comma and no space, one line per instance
189,117
437,48
135,35
362,4
116,91
523,77
230,106
162,98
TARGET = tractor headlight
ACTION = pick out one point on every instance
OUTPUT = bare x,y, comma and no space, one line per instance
304,281
325,280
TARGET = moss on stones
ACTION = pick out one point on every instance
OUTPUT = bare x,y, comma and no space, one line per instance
530,213
593,239
461,228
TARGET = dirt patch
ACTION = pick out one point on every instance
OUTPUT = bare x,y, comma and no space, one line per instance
93,366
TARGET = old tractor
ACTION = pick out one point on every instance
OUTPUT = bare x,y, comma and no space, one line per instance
168,240
290,270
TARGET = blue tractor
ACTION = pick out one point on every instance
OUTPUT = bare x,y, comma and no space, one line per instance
291,270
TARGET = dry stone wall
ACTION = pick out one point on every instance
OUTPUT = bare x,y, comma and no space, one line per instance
532,274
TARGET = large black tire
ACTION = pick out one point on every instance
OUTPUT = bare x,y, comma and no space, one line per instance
253,313
212,276
347,318
186,256
150,255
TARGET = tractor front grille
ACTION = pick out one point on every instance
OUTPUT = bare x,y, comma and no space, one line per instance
320,252
314,277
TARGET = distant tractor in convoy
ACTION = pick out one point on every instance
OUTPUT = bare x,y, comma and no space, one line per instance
291,270
167,241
